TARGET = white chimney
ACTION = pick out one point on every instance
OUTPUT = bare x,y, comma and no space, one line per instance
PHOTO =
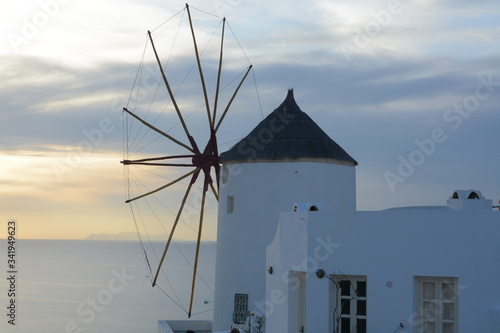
469,200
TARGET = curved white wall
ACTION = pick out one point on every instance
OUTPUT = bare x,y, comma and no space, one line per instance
261,191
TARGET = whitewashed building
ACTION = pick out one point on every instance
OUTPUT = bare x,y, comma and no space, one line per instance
417,269
293,249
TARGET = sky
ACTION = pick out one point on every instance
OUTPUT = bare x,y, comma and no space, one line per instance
410,89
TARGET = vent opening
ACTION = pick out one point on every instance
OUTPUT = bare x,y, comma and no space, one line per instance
308,207
467,194
473,195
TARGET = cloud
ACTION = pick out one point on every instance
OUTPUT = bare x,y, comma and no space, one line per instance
63,91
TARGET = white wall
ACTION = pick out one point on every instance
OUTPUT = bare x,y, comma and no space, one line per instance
390,246
261,191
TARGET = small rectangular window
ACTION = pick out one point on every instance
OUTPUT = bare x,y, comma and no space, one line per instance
361,288
345,287
230,204
361,326
437,304
351,298
361,308
346,306
225,174
346,325
240,311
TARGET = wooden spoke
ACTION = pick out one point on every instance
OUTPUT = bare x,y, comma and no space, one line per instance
217,175
181,208
198,241
219,71
160,164
232,98
214,192
148,161
158,130
157,158
205,95
168,88
164,186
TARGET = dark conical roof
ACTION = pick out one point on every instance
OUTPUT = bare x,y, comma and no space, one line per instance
287,134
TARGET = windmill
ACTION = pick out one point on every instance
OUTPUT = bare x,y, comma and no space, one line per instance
200,160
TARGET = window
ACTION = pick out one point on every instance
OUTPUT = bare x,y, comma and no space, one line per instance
230,204
240,311
225,174
350,312
437,305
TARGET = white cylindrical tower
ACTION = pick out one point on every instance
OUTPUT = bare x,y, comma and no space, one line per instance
286,159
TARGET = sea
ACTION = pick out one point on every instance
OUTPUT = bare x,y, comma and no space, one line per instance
100,286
